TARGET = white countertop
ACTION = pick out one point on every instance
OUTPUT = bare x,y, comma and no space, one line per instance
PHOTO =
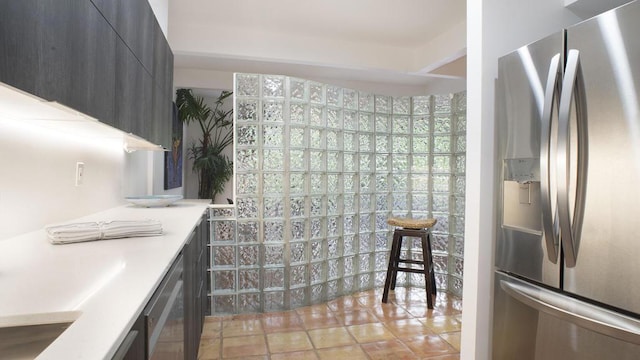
108,282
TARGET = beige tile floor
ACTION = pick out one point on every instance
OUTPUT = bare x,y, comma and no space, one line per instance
352,327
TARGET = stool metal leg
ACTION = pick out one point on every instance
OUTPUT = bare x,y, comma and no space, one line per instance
391,269
429,277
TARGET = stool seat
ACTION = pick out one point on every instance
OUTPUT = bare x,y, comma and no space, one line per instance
409,223
416,228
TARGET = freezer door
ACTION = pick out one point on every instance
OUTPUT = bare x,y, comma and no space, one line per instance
532,323
608,249
523,246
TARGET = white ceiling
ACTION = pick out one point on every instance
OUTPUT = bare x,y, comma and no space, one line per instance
405,42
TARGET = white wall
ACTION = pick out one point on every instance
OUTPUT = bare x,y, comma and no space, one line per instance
494,28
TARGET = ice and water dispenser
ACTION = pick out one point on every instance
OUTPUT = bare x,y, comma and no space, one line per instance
521,195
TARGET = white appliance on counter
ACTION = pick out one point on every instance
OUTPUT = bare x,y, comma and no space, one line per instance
567,238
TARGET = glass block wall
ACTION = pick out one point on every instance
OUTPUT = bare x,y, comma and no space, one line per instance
319,169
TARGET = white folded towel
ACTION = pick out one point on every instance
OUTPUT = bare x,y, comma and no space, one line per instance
102,230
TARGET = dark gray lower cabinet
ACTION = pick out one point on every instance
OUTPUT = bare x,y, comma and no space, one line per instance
194,284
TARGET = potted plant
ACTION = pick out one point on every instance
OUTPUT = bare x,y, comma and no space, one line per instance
214,169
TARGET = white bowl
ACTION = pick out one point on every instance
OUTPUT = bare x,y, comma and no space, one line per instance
153,200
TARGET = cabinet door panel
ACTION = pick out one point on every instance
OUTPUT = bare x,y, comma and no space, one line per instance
133,93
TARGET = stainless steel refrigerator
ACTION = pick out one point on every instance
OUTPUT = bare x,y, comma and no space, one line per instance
567,279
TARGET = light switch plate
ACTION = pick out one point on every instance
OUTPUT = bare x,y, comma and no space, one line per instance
79,173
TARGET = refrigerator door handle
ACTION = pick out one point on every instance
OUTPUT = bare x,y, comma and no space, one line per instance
572,88
577,312
549,216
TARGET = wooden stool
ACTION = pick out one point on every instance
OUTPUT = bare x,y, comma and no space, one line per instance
411,228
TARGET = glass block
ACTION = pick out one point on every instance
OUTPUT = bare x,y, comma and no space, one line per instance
249,303
297,206
316,116
247,208
400,201
382,144
273,183
461,123
298,113
273,231
350,99
350,120
332,183
382,163
221,212
349,203
317,273
224,280
382,124
458,226
332,289
400,144
366,122
420,202
297,137
366,102
442,103
460,100
459,185
458,205
317,183
400,182
248,279
247,184
459,246
417,280
461,144
272,86
365,203
317,160
383,104
247,232
349,162
401,124
273,301
440,263
248,255
296,160
316,93
381,261
456,286
297,183
382,182
441,144
298,252
441,182
334,118
442,224
332,205
332,140
420,163
273,136
421,104
333,269
274,255
400,163
247,85
273,159
364,263
383,241
299,89
365,239
350,141
247,110
332,226
318,293
420,144
224,255
442,124
379,279
297,297
272,111
317,228
316,206
460,164
420,125
348,245
349,222
298,276
334,96
348,285
381,219
440,202
224,230
402,105
247,135
298,229
224,304
441,164
334,161
247,159
440,243
348,265
366,142
317,250
365,183
366,163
